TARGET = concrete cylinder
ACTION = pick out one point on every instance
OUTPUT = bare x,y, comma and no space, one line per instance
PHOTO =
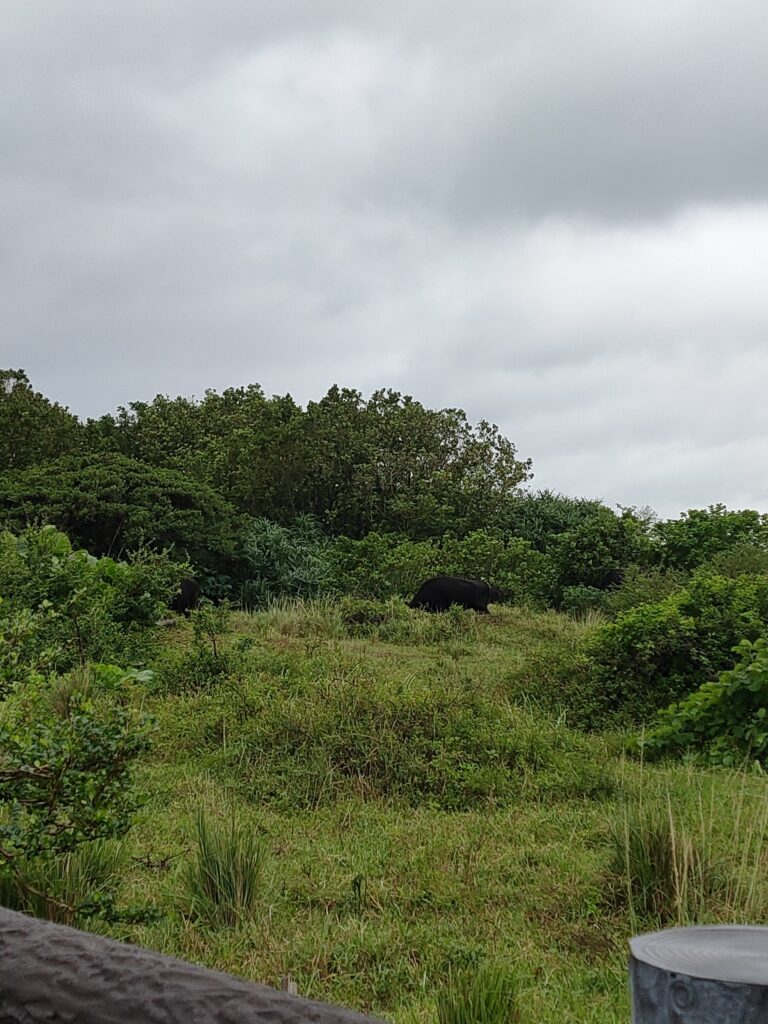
707,975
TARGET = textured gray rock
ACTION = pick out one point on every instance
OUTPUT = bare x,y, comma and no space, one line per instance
58,975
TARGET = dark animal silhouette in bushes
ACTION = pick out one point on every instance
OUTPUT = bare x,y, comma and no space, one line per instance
187,597
612,579
439,593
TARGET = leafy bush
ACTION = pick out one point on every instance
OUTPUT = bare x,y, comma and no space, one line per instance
725,720
655,654
586,554
362,617
699,535
380,567
644,586
109,504
740,560
286,561
207,659
223,882
67,752
62,607
581,599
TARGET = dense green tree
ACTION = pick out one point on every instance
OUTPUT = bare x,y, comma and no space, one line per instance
108,504
384,463
390,464
698,535
32,428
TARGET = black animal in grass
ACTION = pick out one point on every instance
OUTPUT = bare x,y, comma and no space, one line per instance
439,593
187,596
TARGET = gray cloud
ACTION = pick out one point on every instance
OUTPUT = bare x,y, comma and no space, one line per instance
554,216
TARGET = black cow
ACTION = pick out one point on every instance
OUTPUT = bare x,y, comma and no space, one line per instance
439,593
187,597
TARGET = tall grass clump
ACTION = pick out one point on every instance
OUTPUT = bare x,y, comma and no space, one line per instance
225,879
694,859
666,872
66,889
482,995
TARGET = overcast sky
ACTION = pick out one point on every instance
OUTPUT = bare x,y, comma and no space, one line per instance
551,214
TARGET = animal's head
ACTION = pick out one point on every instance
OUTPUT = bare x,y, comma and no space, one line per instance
496,596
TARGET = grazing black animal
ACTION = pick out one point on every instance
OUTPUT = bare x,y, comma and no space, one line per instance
187,597
612,579
439,593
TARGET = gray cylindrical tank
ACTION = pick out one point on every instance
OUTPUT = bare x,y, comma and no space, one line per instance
707,975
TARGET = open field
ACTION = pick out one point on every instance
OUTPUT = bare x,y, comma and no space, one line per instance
422,807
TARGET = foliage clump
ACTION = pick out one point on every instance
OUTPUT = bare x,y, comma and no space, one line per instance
654,654
68,750
725,721
60,608
488,994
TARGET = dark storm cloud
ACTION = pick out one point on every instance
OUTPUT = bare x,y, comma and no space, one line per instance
553,215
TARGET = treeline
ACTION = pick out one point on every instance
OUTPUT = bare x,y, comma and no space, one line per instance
266,498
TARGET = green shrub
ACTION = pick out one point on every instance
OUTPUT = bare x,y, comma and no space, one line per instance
379,567
202,664
583,554
382,566
726,720
655,654
224,881
286,561
487,994
581,599
362,616
746,559
67,753
644,586
64,607
699,535
109,504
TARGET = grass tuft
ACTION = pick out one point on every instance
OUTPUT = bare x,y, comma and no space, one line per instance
224,881
482,995
59,888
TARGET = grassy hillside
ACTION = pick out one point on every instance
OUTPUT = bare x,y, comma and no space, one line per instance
415,803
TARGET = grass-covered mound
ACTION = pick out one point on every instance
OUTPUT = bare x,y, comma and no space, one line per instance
304,713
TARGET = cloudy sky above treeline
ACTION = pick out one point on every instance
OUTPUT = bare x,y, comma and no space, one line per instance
553,215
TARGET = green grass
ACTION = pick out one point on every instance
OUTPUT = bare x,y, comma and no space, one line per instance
418,811
487,995
224,880
59,889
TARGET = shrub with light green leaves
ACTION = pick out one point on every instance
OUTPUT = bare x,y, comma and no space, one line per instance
67,753
61,607
726,721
